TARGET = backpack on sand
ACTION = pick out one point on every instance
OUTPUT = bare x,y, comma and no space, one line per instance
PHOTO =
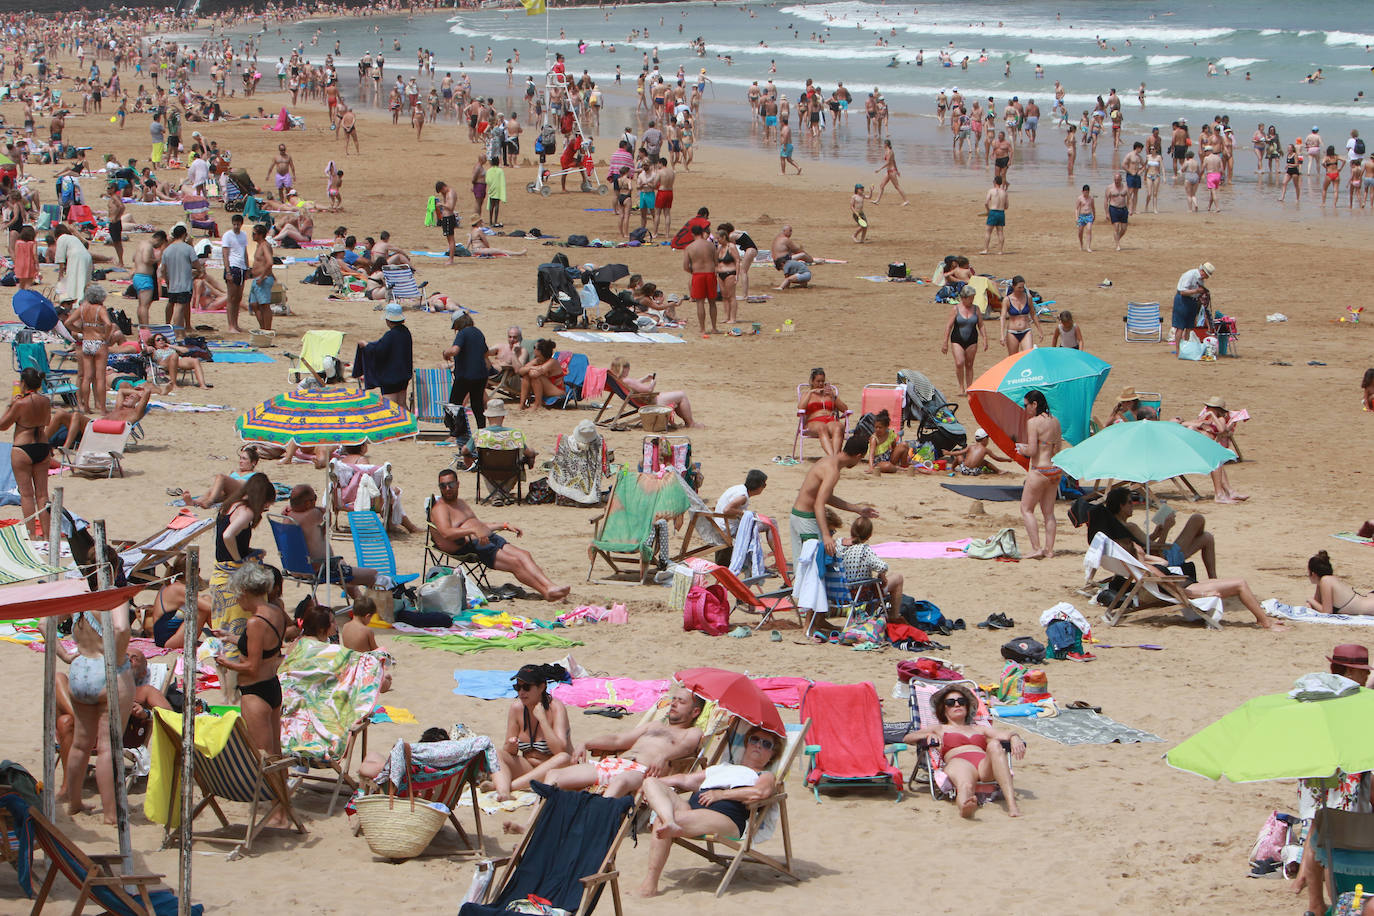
706,609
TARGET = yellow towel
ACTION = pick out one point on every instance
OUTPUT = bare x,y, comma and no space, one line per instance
400,716
212,734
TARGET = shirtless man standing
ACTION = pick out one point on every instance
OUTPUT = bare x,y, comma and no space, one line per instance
1133,165
645,751
114,214
1116,198
1001,156
282,172
260,293
663,196
446,209
1043,440
348,126
699,262
996,206
146,258
457,529
818,491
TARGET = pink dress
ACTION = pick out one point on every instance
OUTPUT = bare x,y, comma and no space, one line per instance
26,260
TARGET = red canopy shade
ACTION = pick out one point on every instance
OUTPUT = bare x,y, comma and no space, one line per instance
66,596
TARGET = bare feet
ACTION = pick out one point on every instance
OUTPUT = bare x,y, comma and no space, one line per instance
1012,810
968,806
558,594
1225,500
647,889
668,830
511,827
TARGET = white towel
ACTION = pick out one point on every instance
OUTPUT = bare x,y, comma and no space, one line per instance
747,548
366,492
808,588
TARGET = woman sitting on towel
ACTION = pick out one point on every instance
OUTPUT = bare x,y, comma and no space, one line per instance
641,391
718,804
964,746
821,409
538,736
1334,595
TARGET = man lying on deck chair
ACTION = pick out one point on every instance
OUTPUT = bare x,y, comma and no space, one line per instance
458,530
643,751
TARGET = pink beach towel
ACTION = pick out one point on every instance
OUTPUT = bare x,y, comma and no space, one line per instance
922,550
594,383
636,696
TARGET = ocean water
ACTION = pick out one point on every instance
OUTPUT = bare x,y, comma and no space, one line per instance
1091,46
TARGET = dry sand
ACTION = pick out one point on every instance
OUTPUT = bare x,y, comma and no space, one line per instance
1105,827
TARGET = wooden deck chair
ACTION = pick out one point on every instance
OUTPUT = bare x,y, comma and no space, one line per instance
626,410
716,724
198,215
891,398
445,785
315,346
372,546
328,696
799,442
96,878
239,773
752,601
401,286
100,451
142,558
428,397
631,530
847,728
1106,555
766,818
18,561
567,855
1143,322
343,481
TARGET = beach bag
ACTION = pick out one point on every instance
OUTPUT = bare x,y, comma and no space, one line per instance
398,831
1266,854
120,320
864,630
1001,544
535,905
1009,683
896,270
1190,348
639,234
706,610
1063,638
921,614
447,595
578,241
539,492
1024,650
1359,146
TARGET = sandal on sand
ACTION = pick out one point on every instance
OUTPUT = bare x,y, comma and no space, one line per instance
1083,704
741,632
175,492
611,712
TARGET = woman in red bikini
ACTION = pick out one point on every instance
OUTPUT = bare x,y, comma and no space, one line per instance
964,745
821,408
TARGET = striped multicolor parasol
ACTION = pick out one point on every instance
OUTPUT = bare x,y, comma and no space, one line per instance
326,416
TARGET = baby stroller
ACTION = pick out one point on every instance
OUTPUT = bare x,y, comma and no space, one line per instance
555,285
932,415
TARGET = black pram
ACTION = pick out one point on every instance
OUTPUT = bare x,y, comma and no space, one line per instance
931,413
555,285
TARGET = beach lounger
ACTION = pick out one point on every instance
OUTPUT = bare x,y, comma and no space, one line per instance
503,471
328,696
891,398
239,773
766,818
344,479
567,855
372,546
1143,322
679,458
428,397
635,529
295,556
97,879
18,561
1106,555
930,765
846,746
625,414
575,373
401,286
100,451
198,215
751,601
799,442
315,346
142,558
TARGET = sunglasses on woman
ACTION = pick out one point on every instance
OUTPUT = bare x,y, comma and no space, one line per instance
956,701
762,741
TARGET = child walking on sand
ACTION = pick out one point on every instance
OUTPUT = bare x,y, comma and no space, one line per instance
1066,333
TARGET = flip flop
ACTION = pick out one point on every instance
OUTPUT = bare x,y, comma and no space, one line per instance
610,712
175,492
741,632
1083,704
775,636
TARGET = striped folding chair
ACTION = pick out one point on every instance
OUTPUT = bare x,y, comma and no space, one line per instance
401,286
428,396
18,562
238,773
1143,321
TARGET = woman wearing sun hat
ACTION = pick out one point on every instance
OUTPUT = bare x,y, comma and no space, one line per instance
1215,423
389,361
1128,407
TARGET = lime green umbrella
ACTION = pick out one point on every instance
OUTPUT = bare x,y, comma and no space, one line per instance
1276,737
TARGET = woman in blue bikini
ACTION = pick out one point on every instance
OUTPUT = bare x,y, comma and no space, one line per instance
1017,322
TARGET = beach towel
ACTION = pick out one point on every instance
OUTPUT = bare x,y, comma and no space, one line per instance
747,550
993,493
636,696
1275,608
466,643
490,804
922,550
9,489
326,690
1352,537
224,356
485,685
394,714
1083,726
436,755
593,383
785,691
185,406
621,337
212,734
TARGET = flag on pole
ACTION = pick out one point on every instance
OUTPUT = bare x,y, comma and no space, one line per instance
533,7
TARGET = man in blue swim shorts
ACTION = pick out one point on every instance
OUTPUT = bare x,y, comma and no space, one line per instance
1085,209
785,148
145,261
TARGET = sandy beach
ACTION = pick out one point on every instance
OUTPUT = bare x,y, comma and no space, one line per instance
1106,827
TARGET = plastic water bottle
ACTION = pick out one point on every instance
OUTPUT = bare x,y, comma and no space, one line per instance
788,326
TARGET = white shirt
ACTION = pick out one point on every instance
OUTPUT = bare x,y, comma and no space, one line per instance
1191,279
235,249
1350,150
198,172
729,496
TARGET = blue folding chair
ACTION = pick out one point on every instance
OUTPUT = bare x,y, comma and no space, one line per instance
372,546
1143,321
572,383
401,285
55,384
295,556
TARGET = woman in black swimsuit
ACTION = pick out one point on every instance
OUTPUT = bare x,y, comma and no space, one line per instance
260,650
727,269
31,456
748,251
538,736
233,548
962,332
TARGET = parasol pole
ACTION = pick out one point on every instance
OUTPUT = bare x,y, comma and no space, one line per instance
115,716
190,629
50,664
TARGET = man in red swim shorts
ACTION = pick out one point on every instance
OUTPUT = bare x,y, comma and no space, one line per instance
699,259
663,199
